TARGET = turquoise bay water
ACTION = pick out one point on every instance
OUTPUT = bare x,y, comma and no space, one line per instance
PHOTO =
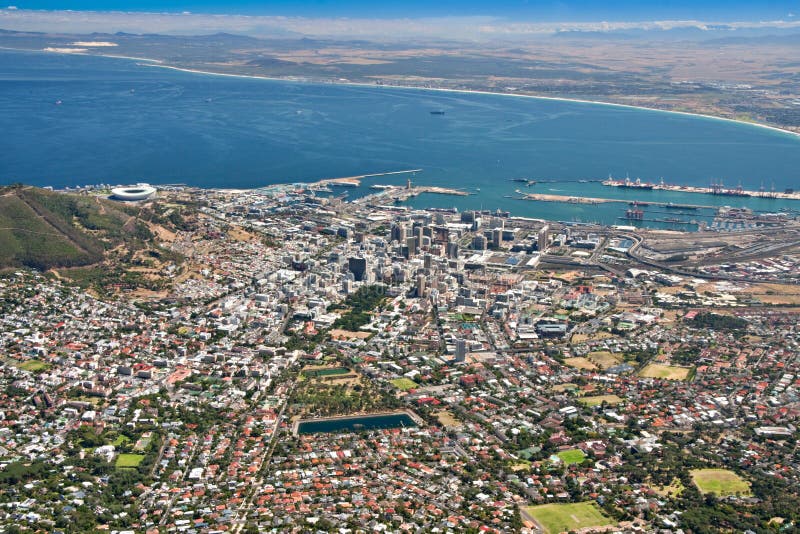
122,122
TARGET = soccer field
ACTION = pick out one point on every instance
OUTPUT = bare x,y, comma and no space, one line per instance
720,482
404,384
667,372
572,456
599,399
556,518
129,460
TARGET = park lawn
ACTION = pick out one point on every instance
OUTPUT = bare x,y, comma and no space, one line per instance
599,399
604,359
564,387
447,419
667,372
580,338
121,440
34,366
572,456
673,490
580,363
555,518
720,482
129,460
404,384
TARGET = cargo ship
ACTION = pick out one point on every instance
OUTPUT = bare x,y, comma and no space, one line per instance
628,184
717,188
672,206
437,112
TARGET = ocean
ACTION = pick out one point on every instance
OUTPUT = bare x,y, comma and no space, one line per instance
76,120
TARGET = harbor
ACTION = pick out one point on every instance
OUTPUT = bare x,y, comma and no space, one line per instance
716,188
595,200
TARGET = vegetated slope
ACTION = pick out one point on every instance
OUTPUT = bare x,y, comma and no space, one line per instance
43,229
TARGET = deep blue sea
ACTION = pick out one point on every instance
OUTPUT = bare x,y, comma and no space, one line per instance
120,121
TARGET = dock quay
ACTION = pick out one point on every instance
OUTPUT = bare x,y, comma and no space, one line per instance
719,190
355,181
591,200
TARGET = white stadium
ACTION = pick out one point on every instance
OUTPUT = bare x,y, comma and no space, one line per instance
135,192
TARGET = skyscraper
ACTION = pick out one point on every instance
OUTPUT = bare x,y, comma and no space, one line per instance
461,350
544,237
358,266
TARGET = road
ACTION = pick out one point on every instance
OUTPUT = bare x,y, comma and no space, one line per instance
240,517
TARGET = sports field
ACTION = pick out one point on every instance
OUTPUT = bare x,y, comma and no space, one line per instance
599,399
325,371
572,456
666,372
556,518
34,366
129,460
720,482
404,384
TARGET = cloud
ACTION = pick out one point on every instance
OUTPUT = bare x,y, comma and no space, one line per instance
186,23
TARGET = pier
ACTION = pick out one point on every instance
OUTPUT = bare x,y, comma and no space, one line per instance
716,190
590,200
355,181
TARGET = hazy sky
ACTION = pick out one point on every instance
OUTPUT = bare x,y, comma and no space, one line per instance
540,10
393,20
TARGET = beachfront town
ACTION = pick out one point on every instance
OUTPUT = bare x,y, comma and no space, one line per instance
316,365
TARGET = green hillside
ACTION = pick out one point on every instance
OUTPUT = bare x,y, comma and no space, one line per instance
43,229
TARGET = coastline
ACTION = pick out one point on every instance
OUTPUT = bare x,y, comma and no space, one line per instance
472,91
160,64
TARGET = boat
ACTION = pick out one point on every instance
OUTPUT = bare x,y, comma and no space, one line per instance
58,102
672,220
671,206
344,184
437,112
717,188
628,184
